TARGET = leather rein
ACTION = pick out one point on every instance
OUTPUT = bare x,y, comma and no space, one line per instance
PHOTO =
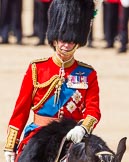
60,150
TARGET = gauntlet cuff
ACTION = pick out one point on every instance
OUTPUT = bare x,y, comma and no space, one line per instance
12,141
89,123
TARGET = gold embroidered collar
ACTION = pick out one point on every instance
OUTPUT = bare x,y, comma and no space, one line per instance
61,63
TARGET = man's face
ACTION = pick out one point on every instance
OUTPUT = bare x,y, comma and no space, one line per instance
64,48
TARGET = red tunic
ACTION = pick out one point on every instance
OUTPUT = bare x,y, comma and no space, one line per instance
87,104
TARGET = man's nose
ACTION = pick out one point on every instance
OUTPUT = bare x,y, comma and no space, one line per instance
66,44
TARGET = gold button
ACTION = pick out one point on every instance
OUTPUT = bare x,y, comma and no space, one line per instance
12,136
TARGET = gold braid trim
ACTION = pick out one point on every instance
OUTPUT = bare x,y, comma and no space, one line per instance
89,123
11,138
34,74
34,77
60,63
47,94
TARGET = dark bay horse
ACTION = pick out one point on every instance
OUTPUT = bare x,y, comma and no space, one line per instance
44,146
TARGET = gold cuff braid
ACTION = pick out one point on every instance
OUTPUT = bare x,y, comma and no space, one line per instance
11,139
89,123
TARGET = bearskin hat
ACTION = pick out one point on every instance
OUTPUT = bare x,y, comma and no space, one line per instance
70,20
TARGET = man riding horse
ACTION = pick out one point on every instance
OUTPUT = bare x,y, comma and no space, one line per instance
59,86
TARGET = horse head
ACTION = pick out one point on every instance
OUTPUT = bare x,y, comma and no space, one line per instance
95,149
108,156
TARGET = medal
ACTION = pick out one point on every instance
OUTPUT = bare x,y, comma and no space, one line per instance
77,81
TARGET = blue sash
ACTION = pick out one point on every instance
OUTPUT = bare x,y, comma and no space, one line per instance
30,128
49,109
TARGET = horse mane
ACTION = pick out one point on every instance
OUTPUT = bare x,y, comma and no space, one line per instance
44,145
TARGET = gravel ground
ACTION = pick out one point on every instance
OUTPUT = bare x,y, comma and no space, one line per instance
113,75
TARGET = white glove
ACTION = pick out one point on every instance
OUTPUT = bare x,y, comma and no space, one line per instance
125,3
76,134
10,156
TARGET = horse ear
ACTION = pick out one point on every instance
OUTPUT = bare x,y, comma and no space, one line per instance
121,149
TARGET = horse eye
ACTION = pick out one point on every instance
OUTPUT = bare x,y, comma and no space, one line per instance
108,158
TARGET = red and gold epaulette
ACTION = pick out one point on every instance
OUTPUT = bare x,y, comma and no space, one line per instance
39,60
85,65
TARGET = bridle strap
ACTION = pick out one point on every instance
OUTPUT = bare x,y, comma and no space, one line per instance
65,158
103,152
99,154
60,149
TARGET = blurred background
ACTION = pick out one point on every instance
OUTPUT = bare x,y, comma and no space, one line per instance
22,39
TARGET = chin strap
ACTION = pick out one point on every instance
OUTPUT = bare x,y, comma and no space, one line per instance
71,52
64,62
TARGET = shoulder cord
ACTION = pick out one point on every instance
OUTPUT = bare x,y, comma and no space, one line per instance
34,77
53,81
47,94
